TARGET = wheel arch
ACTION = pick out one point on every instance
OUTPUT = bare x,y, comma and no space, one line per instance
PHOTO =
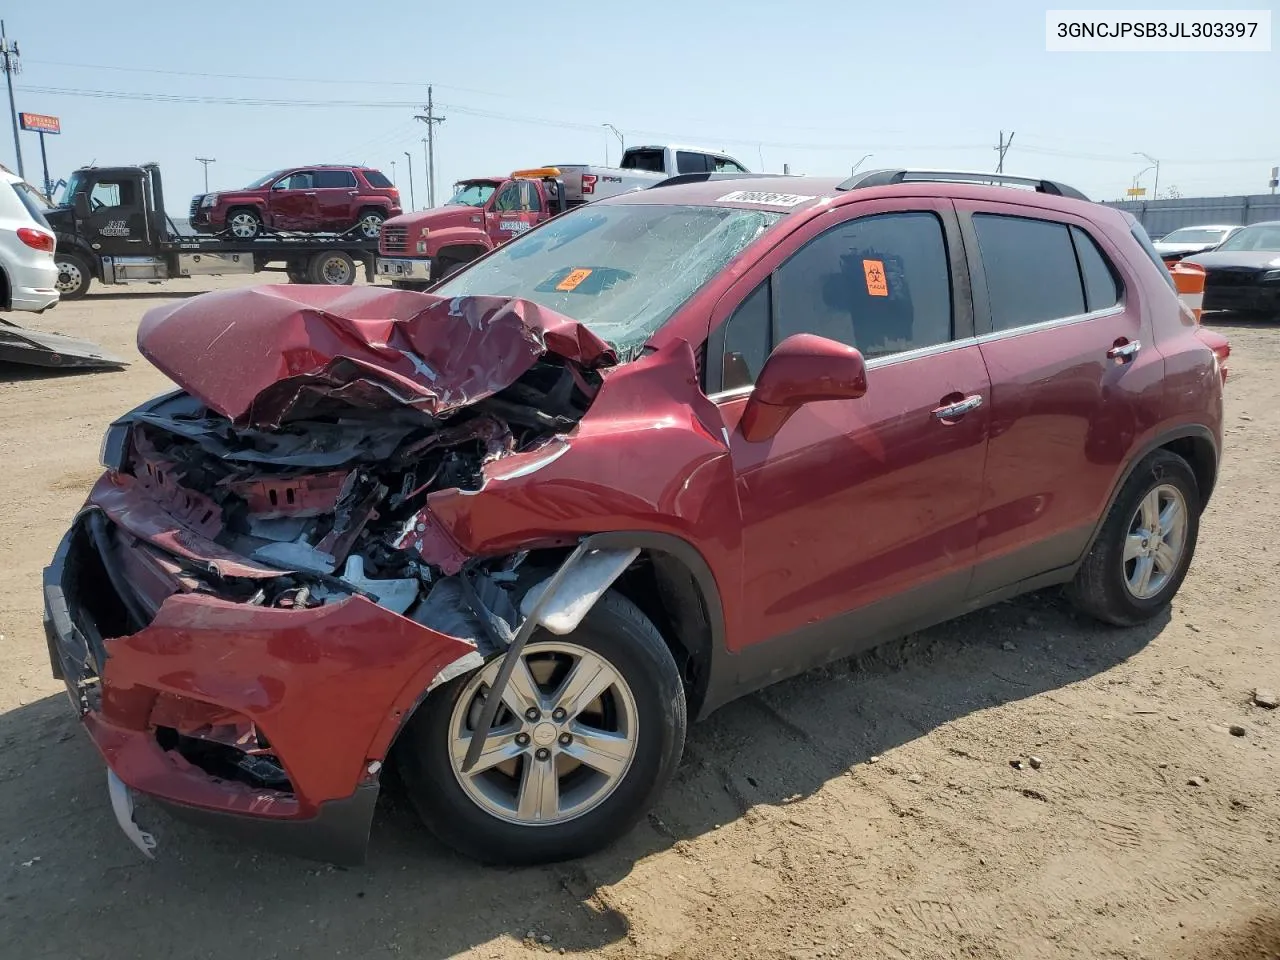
1194,443
6,288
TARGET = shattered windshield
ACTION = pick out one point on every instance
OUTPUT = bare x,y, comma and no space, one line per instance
619,270
471,194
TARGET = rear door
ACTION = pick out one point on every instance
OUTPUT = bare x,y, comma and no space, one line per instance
1075,377
868,506
335,198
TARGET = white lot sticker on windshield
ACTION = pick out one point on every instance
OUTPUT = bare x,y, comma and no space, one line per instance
764,199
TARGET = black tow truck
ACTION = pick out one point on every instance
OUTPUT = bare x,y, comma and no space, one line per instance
112,226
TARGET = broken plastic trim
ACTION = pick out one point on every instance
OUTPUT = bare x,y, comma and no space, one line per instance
530,623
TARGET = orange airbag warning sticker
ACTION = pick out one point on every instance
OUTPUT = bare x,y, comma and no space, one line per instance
877,284
574,278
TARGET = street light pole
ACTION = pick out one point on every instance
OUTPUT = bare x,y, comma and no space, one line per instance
861,162
621,141
1155,189
408,157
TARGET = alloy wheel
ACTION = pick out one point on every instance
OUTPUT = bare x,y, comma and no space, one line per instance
1156,540
243,226
561,743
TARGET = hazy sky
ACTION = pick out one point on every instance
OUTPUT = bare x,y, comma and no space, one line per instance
812,83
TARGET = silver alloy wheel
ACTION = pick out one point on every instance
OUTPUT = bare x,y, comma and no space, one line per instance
337,271
562,742
1155,542
370,225
243,225
69,277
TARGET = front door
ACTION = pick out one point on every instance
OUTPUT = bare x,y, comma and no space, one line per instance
335,199
117,224
510,214
1075,377
862,507
293,204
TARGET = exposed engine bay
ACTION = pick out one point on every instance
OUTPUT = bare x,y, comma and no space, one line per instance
329,504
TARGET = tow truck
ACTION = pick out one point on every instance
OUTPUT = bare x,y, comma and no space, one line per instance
112,226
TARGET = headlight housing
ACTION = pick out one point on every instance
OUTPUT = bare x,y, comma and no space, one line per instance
209,200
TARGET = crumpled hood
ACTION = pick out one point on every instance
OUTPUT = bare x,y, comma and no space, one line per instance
264,355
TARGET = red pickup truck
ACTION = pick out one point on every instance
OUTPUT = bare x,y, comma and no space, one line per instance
417,249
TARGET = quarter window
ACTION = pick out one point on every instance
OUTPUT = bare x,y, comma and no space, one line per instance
747,339
1031,270
1101,289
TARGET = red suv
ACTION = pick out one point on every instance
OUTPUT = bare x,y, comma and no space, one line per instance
649,456
324,199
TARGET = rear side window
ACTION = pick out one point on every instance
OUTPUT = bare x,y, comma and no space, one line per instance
688,162
1031,270
1101,289
650,160
334,179
1144,242
35,206
377,178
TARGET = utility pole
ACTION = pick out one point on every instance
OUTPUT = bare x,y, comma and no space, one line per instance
426,166
408,162
1003,149
1155,187
206,161
9,53
430,119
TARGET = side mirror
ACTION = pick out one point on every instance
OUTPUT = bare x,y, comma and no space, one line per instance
81,205
803,368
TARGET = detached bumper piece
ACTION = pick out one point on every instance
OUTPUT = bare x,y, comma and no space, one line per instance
33,348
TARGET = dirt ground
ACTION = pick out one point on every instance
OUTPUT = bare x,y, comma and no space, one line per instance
869,809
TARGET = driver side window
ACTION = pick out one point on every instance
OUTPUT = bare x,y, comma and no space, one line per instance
112,193
509,199
295,181
880,283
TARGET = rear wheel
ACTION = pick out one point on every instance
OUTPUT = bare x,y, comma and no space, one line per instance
334,269
73,275
590,731
244,223
1145,546
369,224
296,271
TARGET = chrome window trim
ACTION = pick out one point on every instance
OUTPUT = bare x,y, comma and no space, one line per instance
938,348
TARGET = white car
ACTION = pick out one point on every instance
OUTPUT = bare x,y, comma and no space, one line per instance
1188,240
28,276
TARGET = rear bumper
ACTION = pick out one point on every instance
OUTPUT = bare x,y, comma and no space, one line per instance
325,689
404,268
33,285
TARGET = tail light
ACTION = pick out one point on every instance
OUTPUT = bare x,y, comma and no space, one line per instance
589,183
1220,346
37,239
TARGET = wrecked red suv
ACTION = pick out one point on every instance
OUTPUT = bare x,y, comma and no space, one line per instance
324,199
650,456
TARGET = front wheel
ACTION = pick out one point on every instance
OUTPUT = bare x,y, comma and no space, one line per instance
590,731
1145,546
74,275
244,224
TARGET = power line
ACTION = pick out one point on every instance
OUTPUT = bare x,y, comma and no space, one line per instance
193,98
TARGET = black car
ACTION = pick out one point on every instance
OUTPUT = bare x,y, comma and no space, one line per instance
1244,272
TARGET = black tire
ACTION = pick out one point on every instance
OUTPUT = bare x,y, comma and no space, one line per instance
1100,588
367,215
333,268
442,267
74,275
617,631
252,220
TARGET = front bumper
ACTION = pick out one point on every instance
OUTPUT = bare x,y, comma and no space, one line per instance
1245,295
327,688
404,268
202,221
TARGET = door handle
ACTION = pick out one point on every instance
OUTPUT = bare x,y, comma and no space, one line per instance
1124,351
310,193
951,411
351,193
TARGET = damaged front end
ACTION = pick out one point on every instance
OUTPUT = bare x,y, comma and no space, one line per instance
254,597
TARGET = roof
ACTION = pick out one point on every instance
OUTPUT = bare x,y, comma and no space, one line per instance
804,193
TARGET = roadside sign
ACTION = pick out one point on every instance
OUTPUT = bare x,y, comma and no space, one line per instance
1137,191
40,123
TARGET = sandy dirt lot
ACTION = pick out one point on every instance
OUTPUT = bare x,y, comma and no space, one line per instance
866,810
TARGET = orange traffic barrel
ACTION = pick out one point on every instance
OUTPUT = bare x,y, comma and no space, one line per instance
1188,278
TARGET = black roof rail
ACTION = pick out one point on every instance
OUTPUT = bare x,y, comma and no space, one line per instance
703,176
887,177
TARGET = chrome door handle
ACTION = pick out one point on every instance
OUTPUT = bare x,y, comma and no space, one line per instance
310,193
959,408
1125,351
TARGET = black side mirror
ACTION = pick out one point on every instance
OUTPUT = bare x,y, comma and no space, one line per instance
81,205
